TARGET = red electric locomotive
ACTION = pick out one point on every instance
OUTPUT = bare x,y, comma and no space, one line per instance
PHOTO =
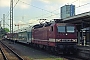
56,37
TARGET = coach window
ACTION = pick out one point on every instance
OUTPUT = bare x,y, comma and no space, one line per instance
51,28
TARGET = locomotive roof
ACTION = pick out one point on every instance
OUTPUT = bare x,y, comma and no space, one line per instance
48,23
58,21
42,25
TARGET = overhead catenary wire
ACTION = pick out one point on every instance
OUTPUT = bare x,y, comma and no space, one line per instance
13,7
36,7
74,1
7,15
83,5
16,3
46,13
76,7
46,10
50,11
40,9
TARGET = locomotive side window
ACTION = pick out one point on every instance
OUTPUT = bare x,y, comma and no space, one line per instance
51,28
70,29
61,28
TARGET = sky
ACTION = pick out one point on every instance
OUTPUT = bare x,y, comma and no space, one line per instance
29,12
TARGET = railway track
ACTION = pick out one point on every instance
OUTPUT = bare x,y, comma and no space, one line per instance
2,56
8,54
67,57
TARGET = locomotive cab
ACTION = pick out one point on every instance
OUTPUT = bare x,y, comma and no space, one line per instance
66,33
66,38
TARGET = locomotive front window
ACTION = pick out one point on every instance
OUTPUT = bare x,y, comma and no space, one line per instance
70,29
61,28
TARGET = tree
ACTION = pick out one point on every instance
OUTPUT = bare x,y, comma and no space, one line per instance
6,30
3,31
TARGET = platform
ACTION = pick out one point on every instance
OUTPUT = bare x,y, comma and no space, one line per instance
84,47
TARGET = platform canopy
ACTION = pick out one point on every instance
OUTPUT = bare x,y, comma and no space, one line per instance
79,20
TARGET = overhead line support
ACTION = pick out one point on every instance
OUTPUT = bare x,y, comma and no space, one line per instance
11,17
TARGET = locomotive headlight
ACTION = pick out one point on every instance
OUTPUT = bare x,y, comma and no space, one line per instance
74,40
58,40
66,34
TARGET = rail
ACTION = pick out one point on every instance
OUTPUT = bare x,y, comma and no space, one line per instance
5,58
